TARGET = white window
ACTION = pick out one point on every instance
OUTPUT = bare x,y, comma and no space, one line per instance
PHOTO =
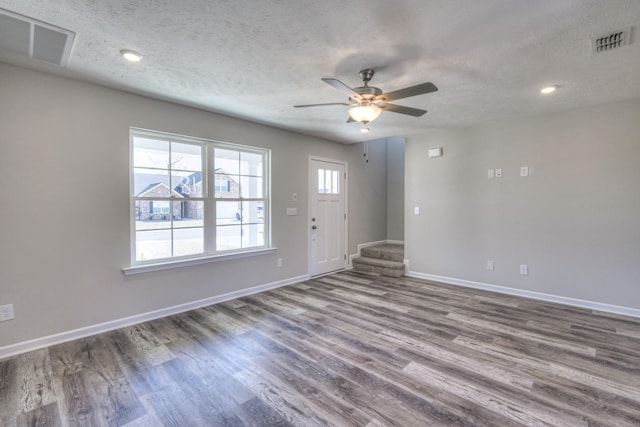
177,215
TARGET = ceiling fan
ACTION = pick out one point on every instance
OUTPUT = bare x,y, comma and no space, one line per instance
367,102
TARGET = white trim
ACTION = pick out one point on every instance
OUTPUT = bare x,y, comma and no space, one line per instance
35,344
592,305
145,268
366,245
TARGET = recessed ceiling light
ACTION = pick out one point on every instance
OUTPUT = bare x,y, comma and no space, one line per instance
549,89
131,55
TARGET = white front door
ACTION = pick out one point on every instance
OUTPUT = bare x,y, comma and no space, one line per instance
328,216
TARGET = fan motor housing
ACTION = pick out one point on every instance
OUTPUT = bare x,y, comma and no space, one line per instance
368,91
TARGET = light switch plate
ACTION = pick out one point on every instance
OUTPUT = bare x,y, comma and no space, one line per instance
524,171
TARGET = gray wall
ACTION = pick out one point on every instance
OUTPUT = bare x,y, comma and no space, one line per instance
575,220
64,216
395,188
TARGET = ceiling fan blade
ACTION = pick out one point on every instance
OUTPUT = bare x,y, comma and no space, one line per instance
415,112
350,120
342,87
407,92
322,105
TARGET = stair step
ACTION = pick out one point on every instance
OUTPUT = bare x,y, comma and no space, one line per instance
385,251
383,267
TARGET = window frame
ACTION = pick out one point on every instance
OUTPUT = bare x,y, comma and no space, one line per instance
210,223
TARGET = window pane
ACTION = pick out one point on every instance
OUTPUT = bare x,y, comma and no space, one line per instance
228,212
151,183
321,187
150,153
227,186
250,164
153,244
186,157
187,184
228,237
192,214
227,161
156,213
335,182
188,241
250,187
252,235
252,212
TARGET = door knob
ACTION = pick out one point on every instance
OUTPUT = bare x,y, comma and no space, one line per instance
314,227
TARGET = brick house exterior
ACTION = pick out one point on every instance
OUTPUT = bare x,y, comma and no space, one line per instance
183,208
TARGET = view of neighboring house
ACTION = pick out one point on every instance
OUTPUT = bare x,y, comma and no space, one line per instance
154,186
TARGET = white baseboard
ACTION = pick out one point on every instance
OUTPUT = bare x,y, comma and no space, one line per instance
35,344
626,311
366,245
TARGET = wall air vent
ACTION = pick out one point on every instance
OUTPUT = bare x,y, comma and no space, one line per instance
611,41
35,39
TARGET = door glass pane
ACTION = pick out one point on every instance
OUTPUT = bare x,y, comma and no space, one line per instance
335,182
188,241
153,244
321,186
328,181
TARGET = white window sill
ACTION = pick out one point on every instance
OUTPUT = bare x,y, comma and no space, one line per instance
166,265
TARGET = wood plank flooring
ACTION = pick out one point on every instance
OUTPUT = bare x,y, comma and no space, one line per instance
346,350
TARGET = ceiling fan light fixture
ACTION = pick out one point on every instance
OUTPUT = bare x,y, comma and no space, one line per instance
364,113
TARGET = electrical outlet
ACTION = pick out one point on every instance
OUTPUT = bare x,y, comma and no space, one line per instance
498,173
490,265
279,262
6,312
524,270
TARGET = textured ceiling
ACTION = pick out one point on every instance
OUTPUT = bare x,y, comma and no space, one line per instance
256,59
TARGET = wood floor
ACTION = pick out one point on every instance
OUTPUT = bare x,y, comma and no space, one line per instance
346,349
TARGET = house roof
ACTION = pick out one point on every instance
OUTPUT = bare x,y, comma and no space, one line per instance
153,186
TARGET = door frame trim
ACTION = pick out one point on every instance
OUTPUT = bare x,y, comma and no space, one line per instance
309,208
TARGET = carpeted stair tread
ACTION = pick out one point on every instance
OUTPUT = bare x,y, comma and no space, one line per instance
386,251
378,262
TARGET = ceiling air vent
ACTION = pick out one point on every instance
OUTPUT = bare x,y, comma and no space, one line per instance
35,39
611,41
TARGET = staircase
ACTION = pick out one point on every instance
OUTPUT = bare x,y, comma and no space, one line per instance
385,260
